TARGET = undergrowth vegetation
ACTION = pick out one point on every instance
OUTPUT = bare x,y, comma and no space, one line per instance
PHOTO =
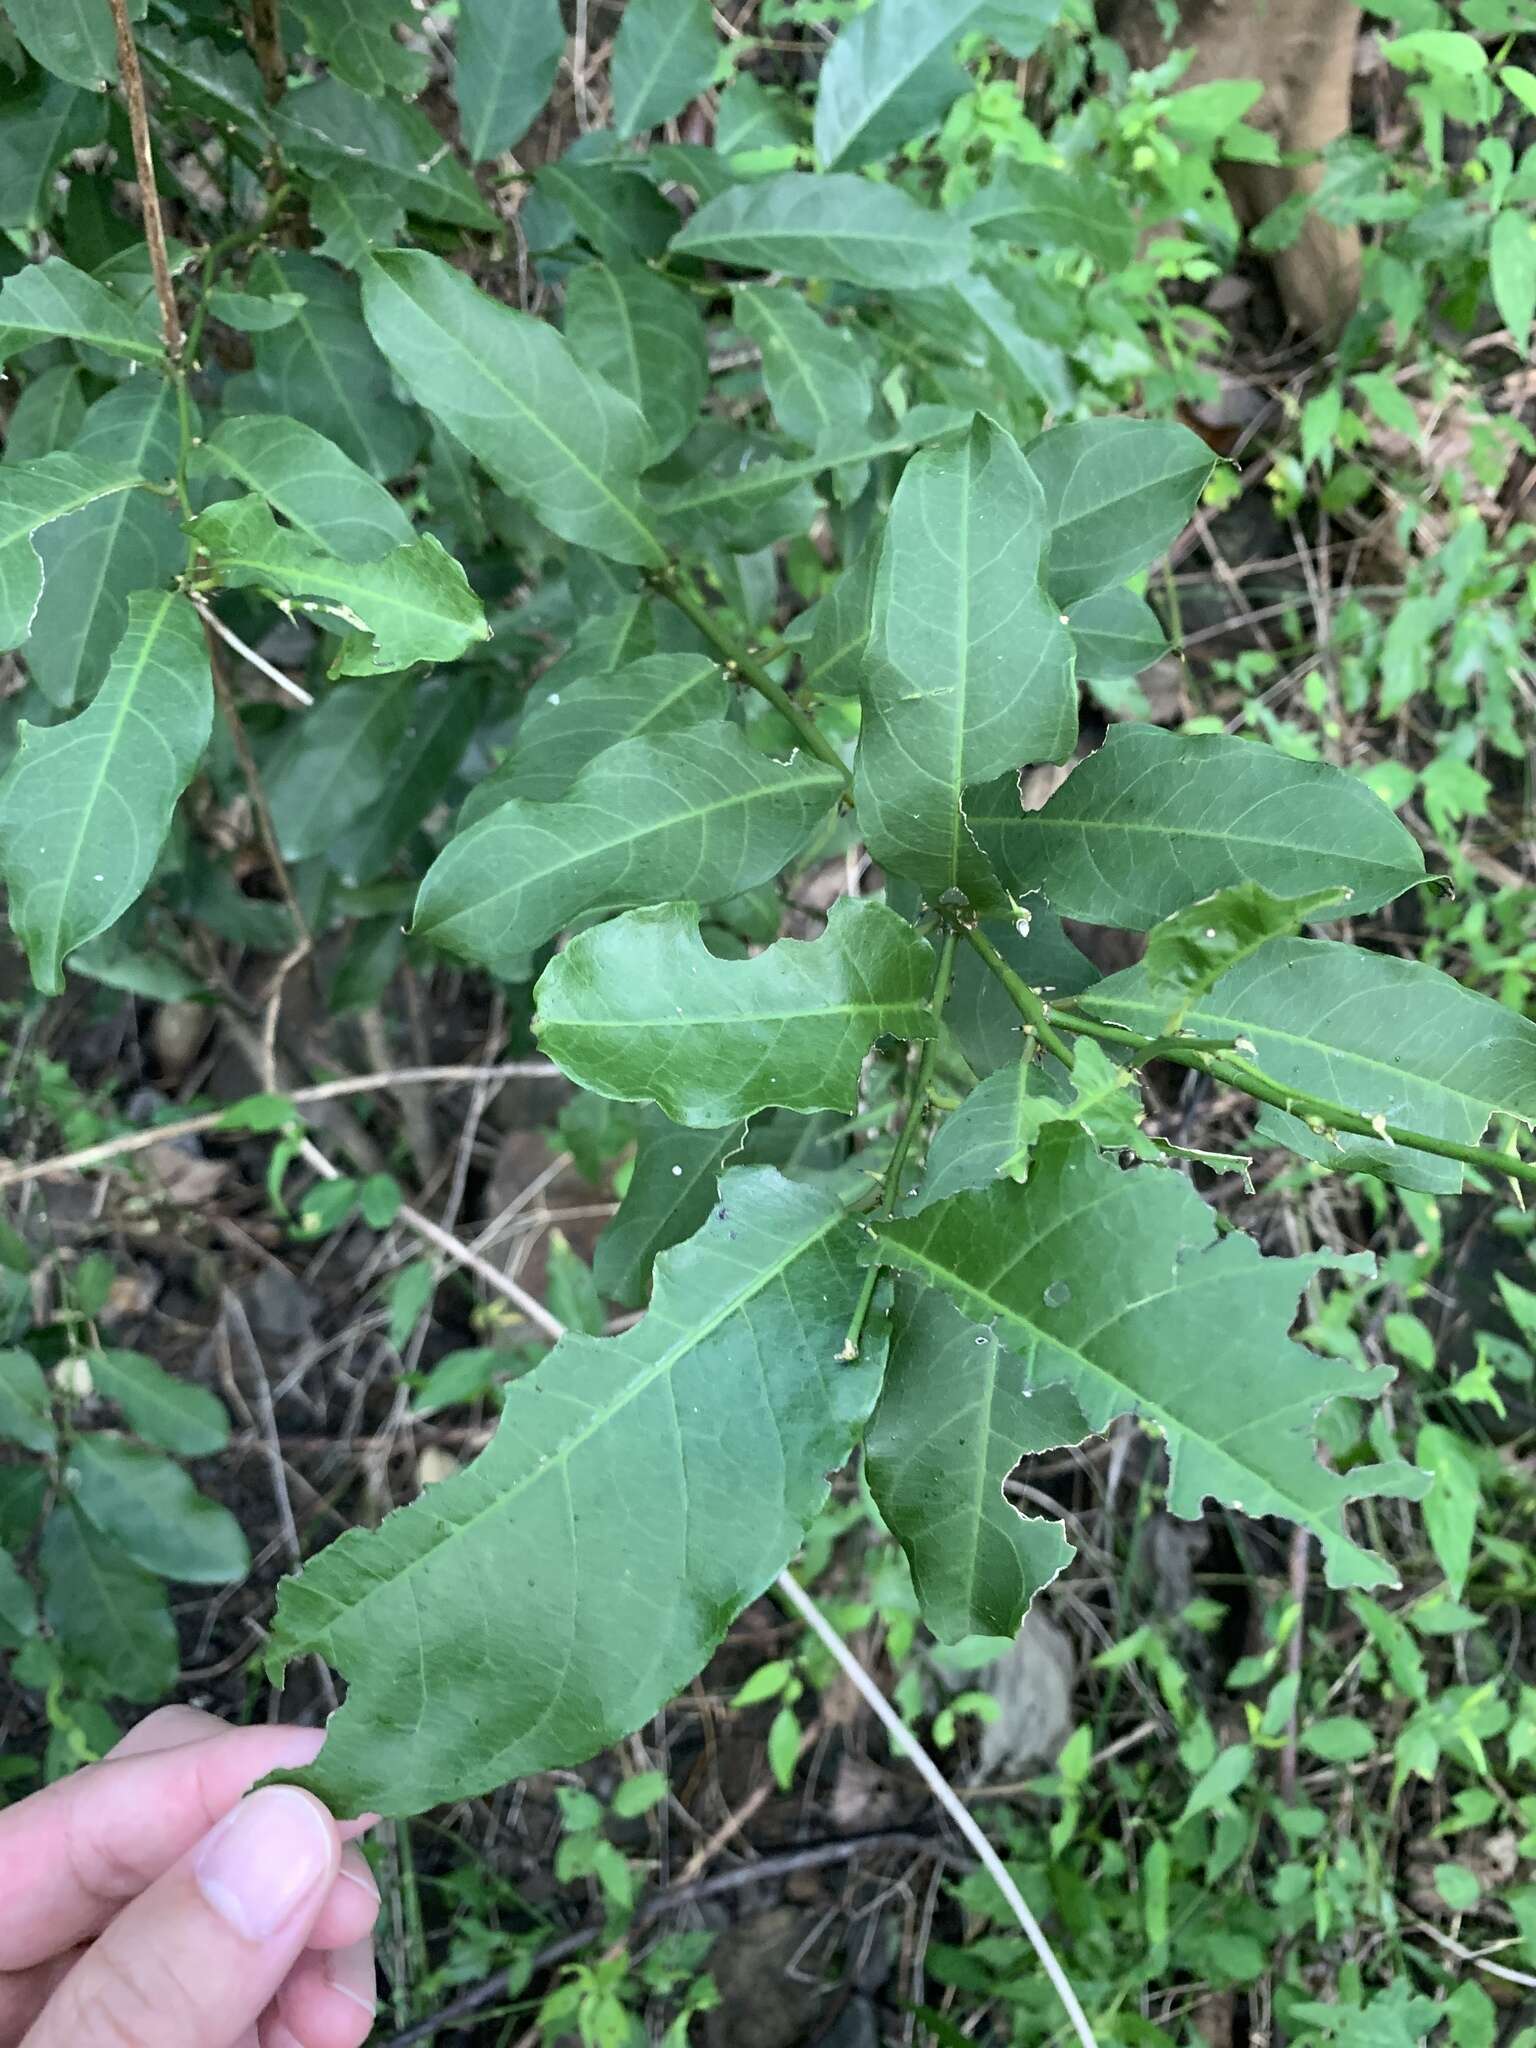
746,833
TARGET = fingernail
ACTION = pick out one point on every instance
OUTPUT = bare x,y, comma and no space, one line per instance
356,1868
263,1861
350,1971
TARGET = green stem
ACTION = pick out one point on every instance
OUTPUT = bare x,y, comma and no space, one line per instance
917,1103
1024,998
1316,1110
671,584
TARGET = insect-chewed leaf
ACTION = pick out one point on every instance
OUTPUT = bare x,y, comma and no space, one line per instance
510,389
51,300
955,1415
32,494
639,1492
640,1009
1117,492
317,487
1155,820
412,604
1386,1037
842,227
1188,953
995,1129
968,668
85,805
699,815
1115,1286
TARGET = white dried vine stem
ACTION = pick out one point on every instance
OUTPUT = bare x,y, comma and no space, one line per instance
905,1743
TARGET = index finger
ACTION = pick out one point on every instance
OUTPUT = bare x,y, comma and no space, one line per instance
71,1854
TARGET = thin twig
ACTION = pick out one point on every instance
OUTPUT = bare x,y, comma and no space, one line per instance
257,661
810,1856
1467,1955
267,44
149,193
906,1743
1299,1573
321,1091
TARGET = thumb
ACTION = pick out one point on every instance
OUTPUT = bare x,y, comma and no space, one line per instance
195,1960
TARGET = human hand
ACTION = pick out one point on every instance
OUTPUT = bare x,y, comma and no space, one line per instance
146,1903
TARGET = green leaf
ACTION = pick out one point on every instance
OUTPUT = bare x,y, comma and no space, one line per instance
671,1189
201,77
663,56
442,715
1116,1286
329,128
317,487
18,1605
641,1010
41,121
323,369
647,339
1386,1037
249,312
356,213
1043,208
146,1504
52,300
508,54
968,668
834,632
954,1417
892,75
73,39
817,379
731,502
175,1414
611,205
522,1614
356,39
699,814
111,1620
980,1014
639,1794
73,869
413,604
1115,634
1450,1508
1117,492
94,559
1188,953
1154,820
757,128
26,1413
508,387
1216,1786
332,765
995,1129
1341,1740
48,414
842,227
1512,273
564,729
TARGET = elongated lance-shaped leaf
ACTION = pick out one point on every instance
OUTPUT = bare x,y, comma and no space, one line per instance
1385,1037
892,72
413,604
697,816
53,301
317,487
329,128
640,1009
968,667
566,727
1046,208
1115,1285
1155,820
640,1491
1116,492
94,559
509,388
842,227
86,805
663,56
955,1415
647,339
31,495
508,52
